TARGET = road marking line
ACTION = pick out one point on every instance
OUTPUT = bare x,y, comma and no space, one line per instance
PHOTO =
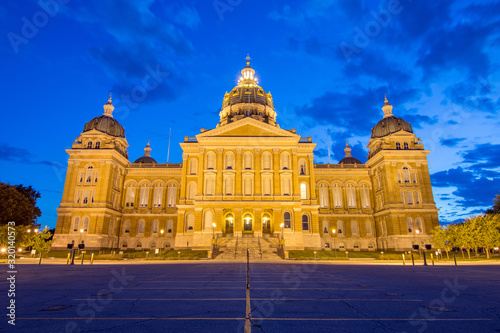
296,319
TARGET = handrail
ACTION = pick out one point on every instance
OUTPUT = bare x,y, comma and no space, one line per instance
260,248
236,247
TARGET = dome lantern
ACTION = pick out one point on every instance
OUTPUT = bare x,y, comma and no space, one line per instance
348,159
387,108
146,158
247,74
108,108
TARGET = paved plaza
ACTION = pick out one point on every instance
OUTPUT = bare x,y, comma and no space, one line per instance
283,297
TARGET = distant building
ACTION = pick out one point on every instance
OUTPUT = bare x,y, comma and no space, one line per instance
246,176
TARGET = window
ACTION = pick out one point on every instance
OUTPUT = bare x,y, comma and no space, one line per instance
171,195
208,220
88,177
85,197
139,245
93,195
126,227
406,174
95,177
370,245
76,223
154,227
287,220
267,186
129,202
409,198
402,197
365,196
210,187
167,245
190,222
341,246
337,196
86,224
229,160
405,145
81,177
285,161
152,245
78,194
354,227
379,177
247,160
89,145
340,227
248,186
286,186
140,227
305,222
368,227
170,225
266,161
193,166
398,145
327,245
419,225
144,197
124,244
210,160
228,186
157,195
303,191
302,167
97,145
323,196
351,196
409,225
417,198
356,245
414,178
192,191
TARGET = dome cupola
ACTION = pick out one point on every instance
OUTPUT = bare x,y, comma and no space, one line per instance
389,124
348,159
147,156
105,123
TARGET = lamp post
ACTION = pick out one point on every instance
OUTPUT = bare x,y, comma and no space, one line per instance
81,235
417,232
213,230
161,241
334,245
282,225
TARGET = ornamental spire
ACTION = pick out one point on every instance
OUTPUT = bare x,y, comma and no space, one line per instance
347,150
147,150
387,108
108,108
247,74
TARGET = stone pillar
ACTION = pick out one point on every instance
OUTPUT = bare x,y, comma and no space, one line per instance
184,184
220,166
198,219
277,220
237,181
276,167
218,220
238,222
315,222
297,220
181,214
257,227
295,175
201,164
257,165
312,181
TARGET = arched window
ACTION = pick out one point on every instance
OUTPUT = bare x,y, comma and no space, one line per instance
144,197
341,245
365,196
351,196
266,161
228,184
210,186
356,246
124,244
129,202
190,222
88,177
248,186
126,227
323,196
208,220
210,160
152,245
139,245
405,145
354,227
419,225
140,227
370,246
86,224
97,145
287,220
167,245
247,160
302,167
286,186
337,196
192,190
89,145
76,223
368,227
285,161
171,195
303,191
409,225
398,145
193,166
267,186
154,227
157,195
340,227
305,222
229,160
170,228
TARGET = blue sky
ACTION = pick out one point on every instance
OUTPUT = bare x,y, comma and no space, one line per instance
327,64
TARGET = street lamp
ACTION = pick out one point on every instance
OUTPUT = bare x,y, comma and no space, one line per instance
213,230
161,242
28,231
334,245
282,225
36,230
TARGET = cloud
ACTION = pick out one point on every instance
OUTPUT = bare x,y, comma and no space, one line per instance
453,142
20,155
483,156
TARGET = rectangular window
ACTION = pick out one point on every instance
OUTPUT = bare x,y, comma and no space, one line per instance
95,177
417,198
409,197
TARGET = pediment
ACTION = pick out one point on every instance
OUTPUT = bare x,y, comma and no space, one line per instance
247,127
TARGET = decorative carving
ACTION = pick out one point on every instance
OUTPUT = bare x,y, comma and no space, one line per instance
239,150
276,150
202,150
257,150
220,151
294,150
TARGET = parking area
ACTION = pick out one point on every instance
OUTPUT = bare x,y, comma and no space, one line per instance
283,297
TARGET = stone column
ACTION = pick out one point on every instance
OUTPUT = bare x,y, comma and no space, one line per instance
238,222
276,167
257,180
220,166
198,219
257,227
296,172
201,164
312,183
237,181
184,184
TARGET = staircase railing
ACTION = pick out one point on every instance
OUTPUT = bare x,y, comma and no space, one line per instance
260,248
236,247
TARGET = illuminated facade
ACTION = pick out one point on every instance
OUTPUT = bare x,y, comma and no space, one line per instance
247,177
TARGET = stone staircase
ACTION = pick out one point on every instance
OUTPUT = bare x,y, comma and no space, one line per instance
235,248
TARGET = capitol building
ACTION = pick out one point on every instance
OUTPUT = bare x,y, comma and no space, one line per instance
246,178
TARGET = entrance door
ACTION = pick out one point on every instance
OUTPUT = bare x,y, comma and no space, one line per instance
266,226
247,224
229,226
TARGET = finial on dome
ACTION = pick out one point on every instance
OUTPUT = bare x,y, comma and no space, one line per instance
247,74
248,59
147,150
347,150
387,108
108,108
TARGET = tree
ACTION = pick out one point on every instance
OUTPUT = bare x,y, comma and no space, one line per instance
40,241
440,239
21,236
18,204
496,207
490,232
